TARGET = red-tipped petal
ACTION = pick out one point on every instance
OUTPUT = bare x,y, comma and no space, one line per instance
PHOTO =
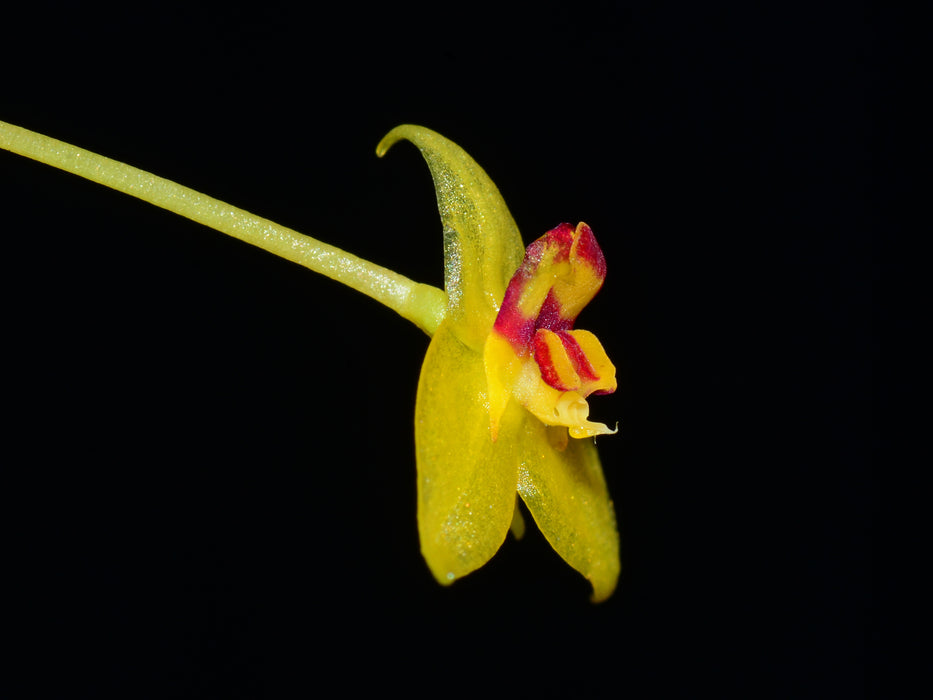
560,274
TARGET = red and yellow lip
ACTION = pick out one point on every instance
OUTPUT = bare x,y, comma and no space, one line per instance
533,354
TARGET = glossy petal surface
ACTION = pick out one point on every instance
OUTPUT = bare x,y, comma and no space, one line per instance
466,482
565,491
482,245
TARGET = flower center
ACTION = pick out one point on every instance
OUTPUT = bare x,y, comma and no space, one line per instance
533,354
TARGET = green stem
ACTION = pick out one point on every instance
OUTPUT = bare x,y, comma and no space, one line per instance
421,304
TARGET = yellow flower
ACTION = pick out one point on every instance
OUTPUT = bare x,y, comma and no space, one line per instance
501,410
504,378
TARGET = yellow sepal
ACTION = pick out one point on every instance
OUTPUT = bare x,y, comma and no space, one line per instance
482,245
466,482
566,494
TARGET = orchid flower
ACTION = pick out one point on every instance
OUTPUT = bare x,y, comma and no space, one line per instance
501,414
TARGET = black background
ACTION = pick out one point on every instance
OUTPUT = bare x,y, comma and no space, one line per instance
218,445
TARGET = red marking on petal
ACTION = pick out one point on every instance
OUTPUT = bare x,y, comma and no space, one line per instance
514,327
588,249
545,362
580,364
577,357
550,317
510,322
562,237
580,246
558,312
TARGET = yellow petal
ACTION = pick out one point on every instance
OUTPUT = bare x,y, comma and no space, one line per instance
603,378
466,482
482,245
566,494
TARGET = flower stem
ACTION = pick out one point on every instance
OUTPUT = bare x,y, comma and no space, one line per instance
422,304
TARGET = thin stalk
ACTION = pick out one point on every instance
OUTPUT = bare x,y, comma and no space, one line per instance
422,304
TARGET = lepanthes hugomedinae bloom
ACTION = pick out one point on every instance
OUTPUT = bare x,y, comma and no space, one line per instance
501,411
506,374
